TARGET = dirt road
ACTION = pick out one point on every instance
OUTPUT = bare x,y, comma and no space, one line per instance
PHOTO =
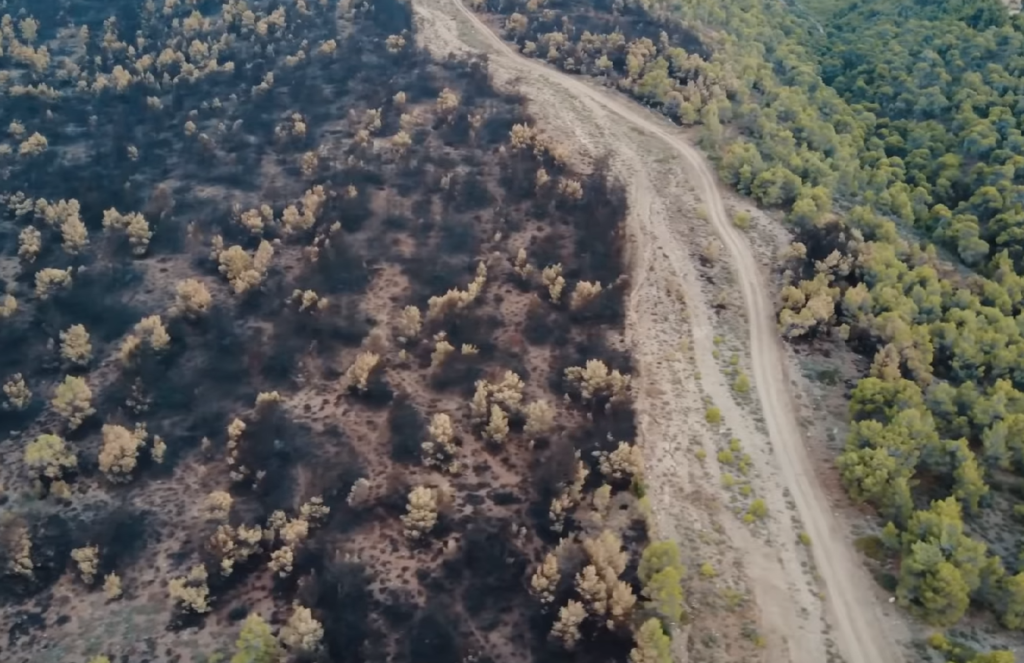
601,120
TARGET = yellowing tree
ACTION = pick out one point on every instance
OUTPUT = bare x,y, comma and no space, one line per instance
191,593
217,505
810,305
87,559
540,418
302,632
120,451
625,462
409,323
440,449
447,103
567,627
132,224
243,271
73,401
595,381
49,280
149,333
112,587
584,293
358,375
191,299
75,347
422,512
18,395
49,456
545,579
497,425
74,235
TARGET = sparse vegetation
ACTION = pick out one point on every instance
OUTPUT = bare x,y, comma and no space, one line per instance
248,228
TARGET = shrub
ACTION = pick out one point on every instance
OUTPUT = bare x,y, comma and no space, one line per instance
713,415
871,546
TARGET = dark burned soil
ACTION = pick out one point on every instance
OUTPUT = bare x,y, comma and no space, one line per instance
416,193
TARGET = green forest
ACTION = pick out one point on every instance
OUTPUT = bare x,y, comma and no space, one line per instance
889,133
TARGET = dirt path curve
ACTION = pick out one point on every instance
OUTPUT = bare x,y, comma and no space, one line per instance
862,635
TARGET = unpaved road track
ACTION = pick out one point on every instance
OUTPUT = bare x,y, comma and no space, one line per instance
855,613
